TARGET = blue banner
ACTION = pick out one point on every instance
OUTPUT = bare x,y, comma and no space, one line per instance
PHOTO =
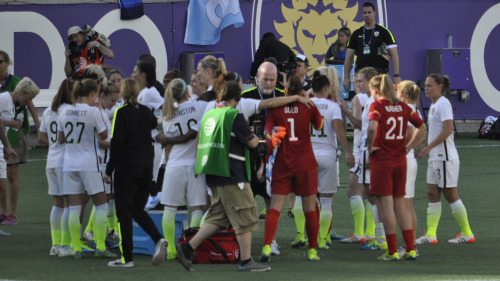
207,18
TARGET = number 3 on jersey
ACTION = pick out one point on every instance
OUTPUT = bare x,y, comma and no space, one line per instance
69,136
392,123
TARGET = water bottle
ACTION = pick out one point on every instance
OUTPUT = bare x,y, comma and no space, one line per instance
450,41
19,117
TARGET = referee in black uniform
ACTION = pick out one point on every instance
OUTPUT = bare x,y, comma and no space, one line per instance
131,165
367,43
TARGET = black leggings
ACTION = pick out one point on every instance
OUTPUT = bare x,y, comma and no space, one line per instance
131,195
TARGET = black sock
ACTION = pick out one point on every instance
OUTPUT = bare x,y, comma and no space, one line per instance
243,263
189,248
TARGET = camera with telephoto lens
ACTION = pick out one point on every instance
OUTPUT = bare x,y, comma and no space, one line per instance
258,130
93,35
289,67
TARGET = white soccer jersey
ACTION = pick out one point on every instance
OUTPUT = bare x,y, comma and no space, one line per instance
187,117
357,132
247,107
412,106
55,157
151,98
365,121
7,111
104,152
439,112
324,141
80,123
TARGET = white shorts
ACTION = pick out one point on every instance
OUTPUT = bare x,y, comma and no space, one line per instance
443,173
107,186
55,181
181,187
356,167
327,175
363,172
78,182
3,168
411,175
157,159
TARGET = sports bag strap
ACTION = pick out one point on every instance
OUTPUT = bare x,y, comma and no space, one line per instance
220,249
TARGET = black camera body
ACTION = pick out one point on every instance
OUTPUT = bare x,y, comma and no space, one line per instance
75,52
259,131
288,67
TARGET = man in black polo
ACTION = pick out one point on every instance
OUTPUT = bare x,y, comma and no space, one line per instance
374,45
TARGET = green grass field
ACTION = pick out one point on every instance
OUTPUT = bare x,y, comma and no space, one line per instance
25,254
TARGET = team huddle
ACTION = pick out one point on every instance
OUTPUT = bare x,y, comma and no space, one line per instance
203,143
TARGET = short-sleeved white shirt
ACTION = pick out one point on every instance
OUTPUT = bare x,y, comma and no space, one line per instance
357,132
7,110
324,142
80,124
187,117
151,98
247,107
439,112
55,157
365,121
104,152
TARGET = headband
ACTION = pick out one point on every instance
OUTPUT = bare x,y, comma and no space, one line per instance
183,87
236,78
207,64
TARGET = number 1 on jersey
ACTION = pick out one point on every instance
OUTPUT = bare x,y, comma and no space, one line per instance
292,130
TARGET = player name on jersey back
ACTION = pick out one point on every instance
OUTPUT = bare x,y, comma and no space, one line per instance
76,112
291,109
393,108
184,111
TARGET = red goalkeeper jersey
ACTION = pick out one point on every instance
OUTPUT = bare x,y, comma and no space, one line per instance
295,152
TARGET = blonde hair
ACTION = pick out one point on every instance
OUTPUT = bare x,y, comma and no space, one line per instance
331,73
130,90
218,67
28,87
176,91
383,84
410,91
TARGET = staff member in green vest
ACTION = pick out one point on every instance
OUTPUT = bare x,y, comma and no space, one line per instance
223,142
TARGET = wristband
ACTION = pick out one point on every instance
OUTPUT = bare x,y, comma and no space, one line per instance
395,75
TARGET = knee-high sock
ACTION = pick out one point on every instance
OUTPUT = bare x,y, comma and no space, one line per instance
370,221
196,218
433,216
55,225
312,228
168,224
90,224
65,233
392,243
358,212
379,226
74,227
100,225
409,238
111,219
300,219
271,225
325,217
460,214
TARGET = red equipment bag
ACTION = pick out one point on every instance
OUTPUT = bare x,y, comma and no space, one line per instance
221,247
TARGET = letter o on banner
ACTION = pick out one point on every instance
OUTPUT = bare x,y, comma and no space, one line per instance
485,88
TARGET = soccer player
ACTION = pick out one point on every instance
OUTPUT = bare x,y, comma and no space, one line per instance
359,177
324,143
78,127
182,117
444,163
59,215
408,92
386,145
294,168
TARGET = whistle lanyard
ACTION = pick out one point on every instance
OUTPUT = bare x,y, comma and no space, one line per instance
373,31
262,98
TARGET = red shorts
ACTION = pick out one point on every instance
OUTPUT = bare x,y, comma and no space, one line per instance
302,183
388,178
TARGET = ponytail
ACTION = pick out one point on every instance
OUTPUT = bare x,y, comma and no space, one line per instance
84,88
442,80
410,91
63,95
384,86
176,91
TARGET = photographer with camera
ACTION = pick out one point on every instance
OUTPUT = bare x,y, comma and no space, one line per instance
374,45
269,46
86,47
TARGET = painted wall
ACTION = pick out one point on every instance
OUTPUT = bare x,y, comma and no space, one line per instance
36,36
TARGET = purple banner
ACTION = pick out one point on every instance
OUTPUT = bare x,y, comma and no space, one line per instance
35,36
